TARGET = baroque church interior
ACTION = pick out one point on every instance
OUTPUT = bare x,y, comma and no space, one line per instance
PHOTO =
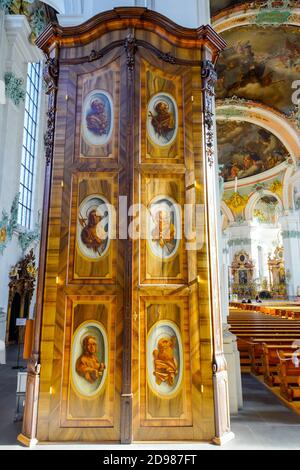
150,223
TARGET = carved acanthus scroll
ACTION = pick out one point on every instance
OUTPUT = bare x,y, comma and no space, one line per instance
209,78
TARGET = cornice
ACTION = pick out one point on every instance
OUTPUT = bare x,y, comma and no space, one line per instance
255,13
125,18
17,31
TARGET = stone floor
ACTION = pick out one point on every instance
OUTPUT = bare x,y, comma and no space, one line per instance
264,422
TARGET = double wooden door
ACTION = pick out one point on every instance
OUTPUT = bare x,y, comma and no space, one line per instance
126,349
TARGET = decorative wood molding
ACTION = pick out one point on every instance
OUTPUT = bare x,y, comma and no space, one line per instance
98,55
209,78
130,49
51,72
124,18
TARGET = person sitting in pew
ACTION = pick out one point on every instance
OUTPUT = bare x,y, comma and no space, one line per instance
257,300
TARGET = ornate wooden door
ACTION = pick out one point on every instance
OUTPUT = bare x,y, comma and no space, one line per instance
129,331
172,351
85,295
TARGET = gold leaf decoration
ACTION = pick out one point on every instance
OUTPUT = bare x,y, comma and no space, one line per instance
237,202
276,187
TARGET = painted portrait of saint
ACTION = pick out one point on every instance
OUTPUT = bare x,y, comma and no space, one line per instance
162,119
164,228
164,358
93,227
165,364
97,118
88,365
89,358
97,121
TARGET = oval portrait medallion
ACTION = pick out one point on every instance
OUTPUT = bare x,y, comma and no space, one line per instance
89,358
164,358
97,120
164,227
162,119
93,227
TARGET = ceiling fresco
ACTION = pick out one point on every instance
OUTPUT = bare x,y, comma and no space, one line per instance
267,210
260,64
216,6
246,149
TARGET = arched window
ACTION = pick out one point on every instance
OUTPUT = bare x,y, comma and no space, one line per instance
29,149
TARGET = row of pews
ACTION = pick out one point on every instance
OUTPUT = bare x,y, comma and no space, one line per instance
279,309
269,346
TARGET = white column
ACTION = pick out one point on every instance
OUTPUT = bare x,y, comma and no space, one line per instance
224,276
290,224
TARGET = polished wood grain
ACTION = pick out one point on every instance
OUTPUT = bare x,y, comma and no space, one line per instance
128,18
77,411
106,79
132,53
184,300
154,82
80,267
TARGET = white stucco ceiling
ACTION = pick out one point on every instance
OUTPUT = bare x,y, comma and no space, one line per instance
59,5
189,13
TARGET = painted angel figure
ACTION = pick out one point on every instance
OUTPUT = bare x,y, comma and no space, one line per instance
93,235
165,364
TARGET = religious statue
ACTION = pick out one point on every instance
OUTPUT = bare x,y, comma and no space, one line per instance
163,122
31,270
88,365
93,235
164,232
165,364
97,119
14,272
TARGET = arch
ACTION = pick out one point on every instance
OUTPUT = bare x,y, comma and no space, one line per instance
245,14
263,116
253,200
291,178
227,212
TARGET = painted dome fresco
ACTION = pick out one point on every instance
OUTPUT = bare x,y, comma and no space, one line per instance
260,64
246,149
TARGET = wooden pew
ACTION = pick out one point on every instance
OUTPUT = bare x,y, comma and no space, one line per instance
289,376
271,360
251,351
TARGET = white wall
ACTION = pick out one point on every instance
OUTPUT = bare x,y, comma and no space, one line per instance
189,13
15,53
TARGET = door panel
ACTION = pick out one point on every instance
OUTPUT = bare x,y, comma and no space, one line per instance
99,262
98,139
171,329
89,403
165,391
83,302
